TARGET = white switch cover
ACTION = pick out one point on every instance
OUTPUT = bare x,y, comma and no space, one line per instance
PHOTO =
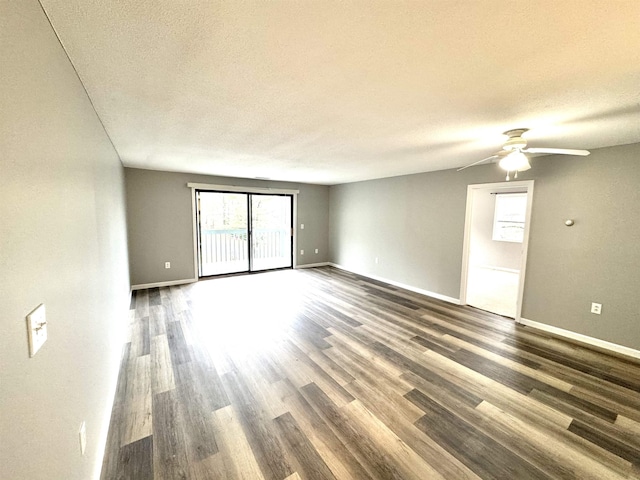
37,329
83,438
302,226
316,250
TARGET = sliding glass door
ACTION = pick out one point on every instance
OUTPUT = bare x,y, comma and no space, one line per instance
243,232
223,233
271,240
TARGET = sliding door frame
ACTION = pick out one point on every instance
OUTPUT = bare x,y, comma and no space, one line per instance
250,198
195,187
247,213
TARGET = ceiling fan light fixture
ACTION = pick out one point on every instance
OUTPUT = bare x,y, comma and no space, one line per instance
512,157
516,161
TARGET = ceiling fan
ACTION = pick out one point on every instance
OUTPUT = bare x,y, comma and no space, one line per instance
512,156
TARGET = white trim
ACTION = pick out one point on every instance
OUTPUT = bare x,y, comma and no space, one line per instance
499,269
464,276
294,256
596,342
236,188
525,249
312,265
163,284
194,232
466,245
398,284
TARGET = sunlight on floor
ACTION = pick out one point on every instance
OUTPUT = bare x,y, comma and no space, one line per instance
247,315
493,290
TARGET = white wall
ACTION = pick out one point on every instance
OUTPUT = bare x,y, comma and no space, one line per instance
62,243
484,251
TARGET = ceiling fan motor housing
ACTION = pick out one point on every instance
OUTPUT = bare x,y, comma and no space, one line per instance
515,142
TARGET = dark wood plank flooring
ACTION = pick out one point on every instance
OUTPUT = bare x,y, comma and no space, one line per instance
322,374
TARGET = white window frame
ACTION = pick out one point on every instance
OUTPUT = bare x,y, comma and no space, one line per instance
508,226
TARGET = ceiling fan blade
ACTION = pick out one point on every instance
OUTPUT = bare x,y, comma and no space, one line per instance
558,151
478,162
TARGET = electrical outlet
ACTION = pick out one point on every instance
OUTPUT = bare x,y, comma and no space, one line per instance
596,308
301,252
376,260
302,226
316,250
82,433
167,264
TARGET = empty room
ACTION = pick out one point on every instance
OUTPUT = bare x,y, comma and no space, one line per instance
290,240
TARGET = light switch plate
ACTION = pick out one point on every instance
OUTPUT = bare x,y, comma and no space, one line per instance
83,438
37,329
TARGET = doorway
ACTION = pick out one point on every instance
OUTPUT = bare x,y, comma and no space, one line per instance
495,246
239,232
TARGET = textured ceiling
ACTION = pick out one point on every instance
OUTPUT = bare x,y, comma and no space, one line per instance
332,92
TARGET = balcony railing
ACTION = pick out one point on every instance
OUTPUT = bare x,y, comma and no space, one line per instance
226,251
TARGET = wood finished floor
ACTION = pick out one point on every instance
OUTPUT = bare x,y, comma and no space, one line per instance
321,374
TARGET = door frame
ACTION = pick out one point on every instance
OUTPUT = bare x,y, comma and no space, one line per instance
250,198
238,189
471,190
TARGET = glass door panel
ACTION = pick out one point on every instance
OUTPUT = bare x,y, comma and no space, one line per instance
271,224
223,233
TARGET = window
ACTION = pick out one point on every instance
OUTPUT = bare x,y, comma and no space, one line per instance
508,221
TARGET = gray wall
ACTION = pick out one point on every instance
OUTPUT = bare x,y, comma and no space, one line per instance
62,243
596,260
414,224
484,251
161,229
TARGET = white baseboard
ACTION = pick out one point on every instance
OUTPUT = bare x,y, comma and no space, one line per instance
596,342
163,284
499,269
411,288
311,265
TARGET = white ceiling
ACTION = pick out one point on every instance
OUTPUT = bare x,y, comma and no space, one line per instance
331,92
